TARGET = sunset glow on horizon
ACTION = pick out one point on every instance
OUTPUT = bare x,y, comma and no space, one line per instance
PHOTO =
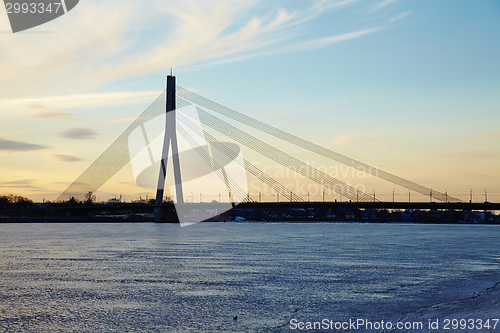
410,87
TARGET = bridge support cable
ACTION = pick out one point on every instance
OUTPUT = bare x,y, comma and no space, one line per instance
254,123
219,170
232,155
116,156
282,158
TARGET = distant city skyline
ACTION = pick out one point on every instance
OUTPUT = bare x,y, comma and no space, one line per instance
408,86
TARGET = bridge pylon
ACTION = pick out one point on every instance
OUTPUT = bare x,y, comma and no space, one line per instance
170,138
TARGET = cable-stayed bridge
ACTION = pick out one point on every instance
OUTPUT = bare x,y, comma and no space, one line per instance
190,124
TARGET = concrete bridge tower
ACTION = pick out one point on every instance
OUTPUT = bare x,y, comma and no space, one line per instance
169,138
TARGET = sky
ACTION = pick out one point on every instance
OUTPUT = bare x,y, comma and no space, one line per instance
411,87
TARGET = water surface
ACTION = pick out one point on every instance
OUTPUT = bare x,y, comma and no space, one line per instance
162,278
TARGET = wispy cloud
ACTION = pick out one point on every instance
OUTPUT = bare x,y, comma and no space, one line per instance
317,43
79,134
400,16
22,183
19,146
482,136
104,40
344,138
382,4
330,40
46,107
343,100
329,102
374,97
52,115
467,154
65,158
124,120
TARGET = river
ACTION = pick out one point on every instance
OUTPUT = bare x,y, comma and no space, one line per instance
147,277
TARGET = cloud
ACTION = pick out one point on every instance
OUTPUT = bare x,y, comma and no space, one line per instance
22,183
45,107
330,40
382,5
65,158
482,136
18,146
343,100
123,120
52,115
400,16
373,97
79,134
106,40
468,154
322,42
344,138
